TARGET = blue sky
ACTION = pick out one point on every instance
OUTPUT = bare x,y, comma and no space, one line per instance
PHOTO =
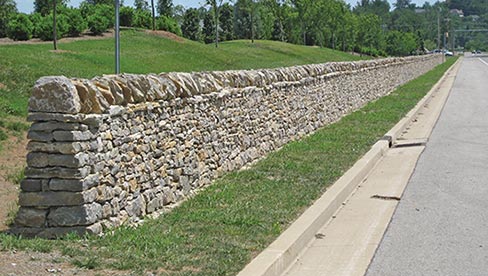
27,5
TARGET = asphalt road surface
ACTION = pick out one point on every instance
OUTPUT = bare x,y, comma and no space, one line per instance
441,224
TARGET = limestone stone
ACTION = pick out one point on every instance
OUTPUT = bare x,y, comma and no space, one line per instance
41,160
56,95
74,216
74,185
31,217
57,172
70,136
56,198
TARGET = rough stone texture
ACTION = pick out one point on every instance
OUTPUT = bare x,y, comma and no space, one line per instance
55,94
139,143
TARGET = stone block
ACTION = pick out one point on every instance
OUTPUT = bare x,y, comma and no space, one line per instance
74,185
71,136
59,117
56,232
40,136
32,185
59,147
57,172
41,160
75,216
40,199
54,125
31,217
56,95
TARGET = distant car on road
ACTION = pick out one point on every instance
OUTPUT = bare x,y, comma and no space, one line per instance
448,53
476,52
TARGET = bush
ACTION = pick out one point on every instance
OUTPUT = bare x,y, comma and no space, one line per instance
168,24
76,23
20,27
126,16
97,23
44,29
36,19
142,19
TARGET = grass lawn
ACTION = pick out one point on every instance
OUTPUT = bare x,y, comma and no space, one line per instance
221,229
22,65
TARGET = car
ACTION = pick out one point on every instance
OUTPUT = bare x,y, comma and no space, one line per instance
448,53
478,52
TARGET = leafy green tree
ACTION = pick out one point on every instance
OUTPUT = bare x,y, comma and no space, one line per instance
165,8
141,5
126,16
191,25
400,44
226,19
208,30
215,10
76,23
142,19
100,17
45,7
20,27
7,9
168,24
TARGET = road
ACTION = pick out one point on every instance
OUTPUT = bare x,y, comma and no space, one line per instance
440,226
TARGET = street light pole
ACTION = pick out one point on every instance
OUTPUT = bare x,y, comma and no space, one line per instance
117,38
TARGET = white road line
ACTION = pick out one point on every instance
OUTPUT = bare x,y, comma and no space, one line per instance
486,63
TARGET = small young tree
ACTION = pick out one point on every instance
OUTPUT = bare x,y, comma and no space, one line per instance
191,25
20,27
215,8
165,8
7,9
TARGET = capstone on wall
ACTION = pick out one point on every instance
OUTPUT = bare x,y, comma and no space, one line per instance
116,148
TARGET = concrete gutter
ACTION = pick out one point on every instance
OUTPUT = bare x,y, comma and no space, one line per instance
275,259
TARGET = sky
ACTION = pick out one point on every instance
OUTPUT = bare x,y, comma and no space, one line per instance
27,6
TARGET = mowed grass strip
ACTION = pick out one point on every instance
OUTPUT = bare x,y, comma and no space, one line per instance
142,53
222,228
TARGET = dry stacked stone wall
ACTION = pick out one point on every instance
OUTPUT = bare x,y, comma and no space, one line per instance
114,149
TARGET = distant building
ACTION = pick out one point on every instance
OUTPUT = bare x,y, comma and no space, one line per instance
457,12
419,10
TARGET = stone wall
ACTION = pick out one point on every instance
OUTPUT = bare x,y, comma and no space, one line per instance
114,149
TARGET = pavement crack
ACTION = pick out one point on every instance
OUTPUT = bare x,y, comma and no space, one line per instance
386,197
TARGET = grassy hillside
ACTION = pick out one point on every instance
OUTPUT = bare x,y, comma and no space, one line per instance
22,65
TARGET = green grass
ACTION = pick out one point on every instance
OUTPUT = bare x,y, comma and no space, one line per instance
22,65
220,230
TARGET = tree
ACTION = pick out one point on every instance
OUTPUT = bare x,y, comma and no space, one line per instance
45,7
141,5
20,27
191,25
226,19
165,7
7,9
215,8
402,4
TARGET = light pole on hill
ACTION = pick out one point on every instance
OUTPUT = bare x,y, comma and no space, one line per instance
117,37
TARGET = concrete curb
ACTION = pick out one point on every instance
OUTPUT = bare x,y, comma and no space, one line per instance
275,259
392,135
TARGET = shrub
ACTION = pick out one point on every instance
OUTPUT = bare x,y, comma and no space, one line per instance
97,23
168,24
142,19
76,23
126,16
36,19
44,29
20,27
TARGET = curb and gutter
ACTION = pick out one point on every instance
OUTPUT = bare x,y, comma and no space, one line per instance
275,259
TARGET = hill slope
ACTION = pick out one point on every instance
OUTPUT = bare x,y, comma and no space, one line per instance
22,65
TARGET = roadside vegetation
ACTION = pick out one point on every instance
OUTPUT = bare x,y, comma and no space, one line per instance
223,227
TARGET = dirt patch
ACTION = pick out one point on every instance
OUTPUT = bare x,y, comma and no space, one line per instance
58,51
12,160
85,36
45,264
165,34
2,86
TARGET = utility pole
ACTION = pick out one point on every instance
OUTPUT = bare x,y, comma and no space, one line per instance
117,37
55,35
439,29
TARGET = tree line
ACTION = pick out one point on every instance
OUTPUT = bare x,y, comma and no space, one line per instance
371,27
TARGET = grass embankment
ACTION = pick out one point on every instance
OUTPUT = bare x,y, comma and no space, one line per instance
221,229
22,65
